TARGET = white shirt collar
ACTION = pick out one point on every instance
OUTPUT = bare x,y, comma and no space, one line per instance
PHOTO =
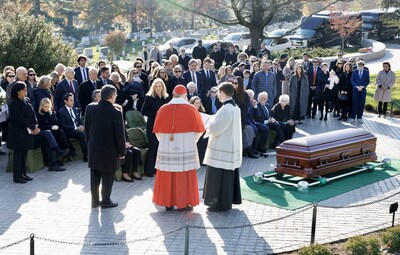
178,100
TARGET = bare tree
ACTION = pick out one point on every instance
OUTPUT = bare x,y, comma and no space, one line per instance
255,14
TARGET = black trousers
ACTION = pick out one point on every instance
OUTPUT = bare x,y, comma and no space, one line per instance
380,111
312,103
107,180
19,164
132,160
151,154
280,138
4,130
79,135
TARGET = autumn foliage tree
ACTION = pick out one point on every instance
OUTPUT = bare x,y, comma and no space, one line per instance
345,25
115,40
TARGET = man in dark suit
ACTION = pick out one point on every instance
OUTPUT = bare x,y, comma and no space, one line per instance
218,56
209,77
86,90
184,59
104,129
193,75
170,51
277,70
360,81
306,62
67,85
230,57
263,116
211,103
199,52
104,77
312,74
246,79
69,121
81,71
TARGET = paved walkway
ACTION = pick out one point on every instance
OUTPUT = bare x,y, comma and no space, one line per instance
57,206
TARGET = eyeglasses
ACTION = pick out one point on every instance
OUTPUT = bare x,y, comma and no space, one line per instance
213,91
32,74
138,66
11,76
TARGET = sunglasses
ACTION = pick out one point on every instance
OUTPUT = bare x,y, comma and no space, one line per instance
11,76
134,73
138,66
32,74
178,71
234,82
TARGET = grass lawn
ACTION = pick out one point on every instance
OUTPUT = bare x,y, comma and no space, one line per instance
395,93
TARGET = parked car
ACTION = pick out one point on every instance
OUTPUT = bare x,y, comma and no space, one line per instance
178,42
209,45
280,33
277,43
241,39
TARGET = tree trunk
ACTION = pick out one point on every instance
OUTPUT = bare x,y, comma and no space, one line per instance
256,35
134,23
36,8
70,20
343,39
192,21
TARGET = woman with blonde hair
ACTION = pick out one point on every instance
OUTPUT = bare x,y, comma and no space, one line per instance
155,98
43,90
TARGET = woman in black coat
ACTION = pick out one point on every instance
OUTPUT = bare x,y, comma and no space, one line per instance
155,98
43,90
320,92
22,127
345,91
281,113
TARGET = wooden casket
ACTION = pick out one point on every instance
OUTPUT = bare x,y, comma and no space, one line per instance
326,153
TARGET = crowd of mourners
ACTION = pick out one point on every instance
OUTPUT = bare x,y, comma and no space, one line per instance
272,94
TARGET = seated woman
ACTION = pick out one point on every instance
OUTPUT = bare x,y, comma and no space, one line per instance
54,135
130,165
281,113
96,96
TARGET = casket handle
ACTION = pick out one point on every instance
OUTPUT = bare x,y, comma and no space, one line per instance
365,152
345,155
323,162
290,164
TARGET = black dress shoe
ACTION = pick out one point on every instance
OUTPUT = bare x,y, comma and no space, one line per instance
21,180
73,154
251,154
313,117
126,180
62,153
95,204
56,168
212,209
169,208
27,178
325,117
308,116
108,205
60,162
320,118
138,178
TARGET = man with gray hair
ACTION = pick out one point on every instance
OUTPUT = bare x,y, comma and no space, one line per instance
67,85
104,129
86,89
22,76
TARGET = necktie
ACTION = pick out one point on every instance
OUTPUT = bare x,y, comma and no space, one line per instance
213,106
71,87
105,82
314,76
73,118
360,74
84,74
208,75
94,85
193,77
266,112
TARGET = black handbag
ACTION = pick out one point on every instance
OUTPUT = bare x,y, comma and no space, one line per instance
343,97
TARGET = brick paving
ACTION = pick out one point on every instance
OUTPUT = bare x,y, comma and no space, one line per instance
57,206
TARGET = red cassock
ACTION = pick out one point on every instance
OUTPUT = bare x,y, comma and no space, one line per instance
178,126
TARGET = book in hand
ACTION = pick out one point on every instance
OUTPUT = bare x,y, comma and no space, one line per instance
206,119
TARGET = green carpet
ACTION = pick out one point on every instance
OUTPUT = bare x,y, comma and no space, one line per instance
289,198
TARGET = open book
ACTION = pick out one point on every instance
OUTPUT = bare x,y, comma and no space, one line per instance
206,119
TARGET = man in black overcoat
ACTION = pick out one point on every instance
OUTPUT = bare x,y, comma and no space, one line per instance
106,145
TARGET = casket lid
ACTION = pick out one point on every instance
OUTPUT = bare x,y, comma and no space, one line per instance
328,137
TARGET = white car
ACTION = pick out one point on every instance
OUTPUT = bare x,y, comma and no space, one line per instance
277,43
185,42
240,39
